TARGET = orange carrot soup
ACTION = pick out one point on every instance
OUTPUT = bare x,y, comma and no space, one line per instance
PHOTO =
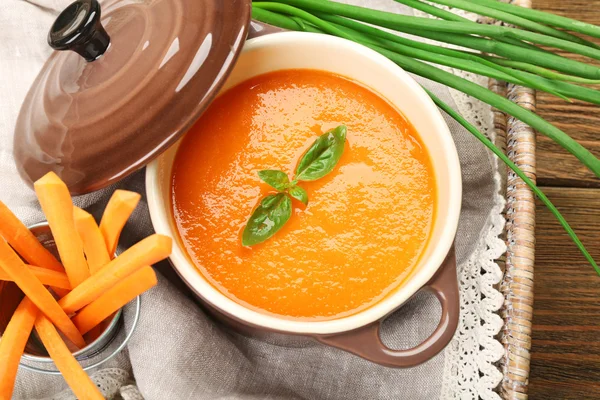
366,223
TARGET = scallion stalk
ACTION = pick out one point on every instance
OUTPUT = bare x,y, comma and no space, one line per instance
512,19
534,69
544,17
449,16
394,21
488,143
521,78
540,58
471,64
536,57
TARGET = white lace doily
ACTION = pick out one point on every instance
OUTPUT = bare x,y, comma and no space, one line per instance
470,370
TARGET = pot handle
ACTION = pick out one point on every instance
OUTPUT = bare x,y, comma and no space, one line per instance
365,342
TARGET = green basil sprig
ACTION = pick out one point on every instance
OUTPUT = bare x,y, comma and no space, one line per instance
322,156
276,209
272,213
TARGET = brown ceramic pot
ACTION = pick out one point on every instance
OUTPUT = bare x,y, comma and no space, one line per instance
358,333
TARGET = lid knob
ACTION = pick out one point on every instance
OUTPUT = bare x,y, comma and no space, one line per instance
78,28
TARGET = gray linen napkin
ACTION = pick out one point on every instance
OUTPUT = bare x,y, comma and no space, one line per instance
178,351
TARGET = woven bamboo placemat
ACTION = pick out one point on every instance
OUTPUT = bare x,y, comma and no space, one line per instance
518,141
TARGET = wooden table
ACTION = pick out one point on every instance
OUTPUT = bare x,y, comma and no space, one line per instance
566,325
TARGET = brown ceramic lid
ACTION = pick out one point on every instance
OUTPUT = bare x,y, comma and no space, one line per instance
134,82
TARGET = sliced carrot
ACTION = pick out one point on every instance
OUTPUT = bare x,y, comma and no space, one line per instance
146,252
18,272
61,292
13,344
115,298
79,382
56,203
117,212
93,241
24,242
46,277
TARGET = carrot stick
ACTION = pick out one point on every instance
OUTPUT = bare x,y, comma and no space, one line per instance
46,277
13,344
146,252
115,298
56,203
24,242
79,382
18,272
117,212
93,241
60,292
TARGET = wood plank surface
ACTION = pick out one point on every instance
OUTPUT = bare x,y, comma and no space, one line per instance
566,324
566,318
556,167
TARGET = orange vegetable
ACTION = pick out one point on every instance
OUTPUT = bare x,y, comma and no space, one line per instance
117,212
146,252
18,272
61,292
79,382
13,344
24,242
93,241
56,203
115,298
46,277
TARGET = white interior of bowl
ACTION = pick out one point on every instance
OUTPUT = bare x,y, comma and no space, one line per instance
306,50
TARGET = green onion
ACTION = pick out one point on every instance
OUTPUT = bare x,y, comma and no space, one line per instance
522,78
394,21
285,22
449,16
448,57
534,69
433,10
488,143
463,61
512,19
540,58
544,17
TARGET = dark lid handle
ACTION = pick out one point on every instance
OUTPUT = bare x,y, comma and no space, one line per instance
78,28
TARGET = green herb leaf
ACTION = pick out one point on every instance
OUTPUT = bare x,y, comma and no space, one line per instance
299,194
277,179
323,155
272,213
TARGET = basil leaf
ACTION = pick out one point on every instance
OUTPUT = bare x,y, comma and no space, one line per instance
299,194
277,179
323,155
272,213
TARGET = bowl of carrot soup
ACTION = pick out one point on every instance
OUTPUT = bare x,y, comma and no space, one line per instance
317,194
